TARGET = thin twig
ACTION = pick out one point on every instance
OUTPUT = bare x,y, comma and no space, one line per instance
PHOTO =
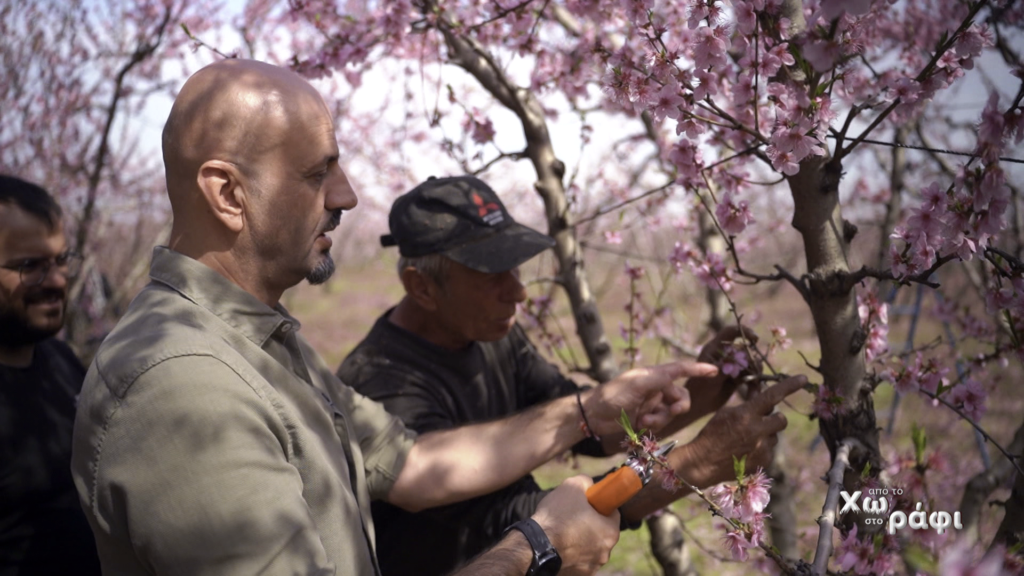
947,404
827,520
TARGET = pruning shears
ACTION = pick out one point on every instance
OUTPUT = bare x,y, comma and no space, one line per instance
618,487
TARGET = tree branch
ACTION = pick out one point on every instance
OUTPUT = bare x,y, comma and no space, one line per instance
827,520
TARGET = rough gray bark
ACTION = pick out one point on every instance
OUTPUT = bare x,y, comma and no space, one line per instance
471,57
669,546
783,521
981,486
817,216
1011,530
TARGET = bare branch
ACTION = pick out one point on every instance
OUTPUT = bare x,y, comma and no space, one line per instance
947,404
850,279
827,520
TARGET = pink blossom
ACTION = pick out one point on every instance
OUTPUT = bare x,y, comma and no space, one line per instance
854,554
680,255
698,12
922,254
733,217
990,131
737,545
613,236
906,89
934,197
877,342
734,362
973,41
481,129
634,272
667,102
691,127
793,139
712,271
746,18
773,59
687,158
822,54
754,495
724,497
757,528
779,338
705,84
925,222
784,162
709,47
970,396
900,262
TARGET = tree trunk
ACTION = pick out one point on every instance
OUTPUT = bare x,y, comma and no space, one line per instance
668,544
817,215
783,521
981,486
471,57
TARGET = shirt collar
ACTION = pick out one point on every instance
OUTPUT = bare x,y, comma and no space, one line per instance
206,287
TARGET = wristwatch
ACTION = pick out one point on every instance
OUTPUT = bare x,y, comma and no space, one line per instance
546,561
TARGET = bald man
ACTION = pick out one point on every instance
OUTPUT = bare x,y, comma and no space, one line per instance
210,437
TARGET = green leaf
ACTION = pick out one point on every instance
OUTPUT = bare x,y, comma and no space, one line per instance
919,559
866,472
917,434
185,28
624,422
740,467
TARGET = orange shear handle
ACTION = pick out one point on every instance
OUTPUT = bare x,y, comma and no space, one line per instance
614,490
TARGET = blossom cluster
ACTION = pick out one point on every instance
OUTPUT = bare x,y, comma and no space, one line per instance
743,502
960,219
874,318
709,268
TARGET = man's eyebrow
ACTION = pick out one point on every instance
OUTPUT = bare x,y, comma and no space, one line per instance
325,161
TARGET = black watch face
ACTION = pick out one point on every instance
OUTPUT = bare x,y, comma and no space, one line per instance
549,563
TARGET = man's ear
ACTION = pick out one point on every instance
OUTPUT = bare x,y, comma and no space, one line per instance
221,186
422,290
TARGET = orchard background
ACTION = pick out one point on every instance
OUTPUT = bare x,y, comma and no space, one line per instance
844,177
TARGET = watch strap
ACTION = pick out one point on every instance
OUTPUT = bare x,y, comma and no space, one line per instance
546,561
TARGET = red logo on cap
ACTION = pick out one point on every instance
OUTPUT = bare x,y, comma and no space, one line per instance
484,208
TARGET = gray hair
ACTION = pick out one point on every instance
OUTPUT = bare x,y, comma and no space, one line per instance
433,266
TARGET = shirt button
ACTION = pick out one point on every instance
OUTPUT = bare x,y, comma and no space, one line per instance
286,328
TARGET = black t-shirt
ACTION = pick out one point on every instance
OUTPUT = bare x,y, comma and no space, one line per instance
431,388
43,531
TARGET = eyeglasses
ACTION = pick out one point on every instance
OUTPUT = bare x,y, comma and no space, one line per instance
34,271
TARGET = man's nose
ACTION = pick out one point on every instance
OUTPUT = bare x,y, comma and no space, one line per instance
340,193
56,277
514,291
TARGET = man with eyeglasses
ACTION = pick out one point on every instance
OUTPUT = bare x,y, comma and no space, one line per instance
42,527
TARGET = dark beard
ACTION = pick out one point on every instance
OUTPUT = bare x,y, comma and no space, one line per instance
325,267
322,272
15,332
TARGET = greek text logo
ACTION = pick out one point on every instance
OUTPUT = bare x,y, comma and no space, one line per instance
919,519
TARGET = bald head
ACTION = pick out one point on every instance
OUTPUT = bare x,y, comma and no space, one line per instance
253,176
236,111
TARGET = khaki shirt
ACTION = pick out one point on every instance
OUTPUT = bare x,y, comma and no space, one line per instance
211,439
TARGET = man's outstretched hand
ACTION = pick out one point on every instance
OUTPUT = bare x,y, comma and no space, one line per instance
708,394
650,397
749,429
